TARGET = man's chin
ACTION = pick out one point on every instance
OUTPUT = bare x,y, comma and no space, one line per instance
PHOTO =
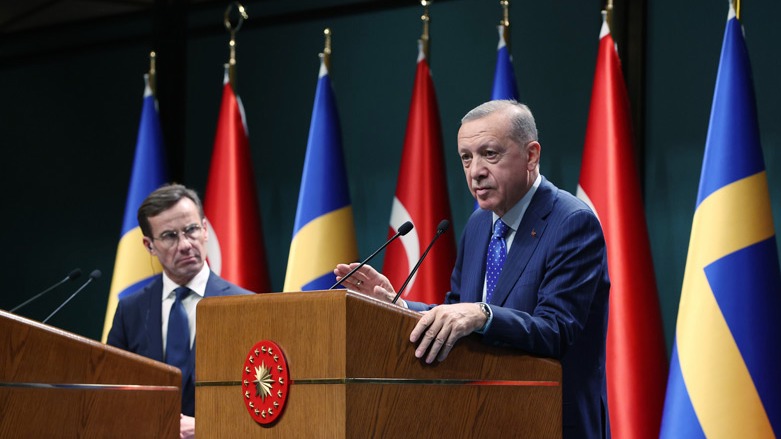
190,264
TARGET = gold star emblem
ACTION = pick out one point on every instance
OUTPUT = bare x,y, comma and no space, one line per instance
263,381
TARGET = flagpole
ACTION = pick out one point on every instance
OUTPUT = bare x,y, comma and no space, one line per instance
326,55
505,22
152,75
607,13
425,18
233,30
736,5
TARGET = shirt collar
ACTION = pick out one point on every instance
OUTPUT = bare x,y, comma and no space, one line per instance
197,284
514,216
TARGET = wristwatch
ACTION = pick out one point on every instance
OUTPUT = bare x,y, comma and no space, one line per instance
487,311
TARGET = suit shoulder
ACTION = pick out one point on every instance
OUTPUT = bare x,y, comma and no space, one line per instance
568,204
218,286
143,291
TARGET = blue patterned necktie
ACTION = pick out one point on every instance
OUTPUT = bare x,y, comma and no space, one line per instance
497,253
178,341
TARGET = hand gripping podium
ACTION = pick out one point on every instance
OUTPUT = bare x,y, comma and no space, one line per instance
57,384
353,374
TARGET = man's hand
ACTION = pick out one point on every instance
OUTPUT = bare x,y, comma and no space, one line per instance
440,328
186,427
366,281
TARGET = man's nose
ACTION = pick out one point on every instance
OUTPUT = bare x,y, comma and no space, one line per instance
184,243
477,170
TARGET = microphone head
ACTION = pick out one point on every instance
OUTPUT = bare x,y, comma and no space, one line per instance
443,226
74,274
95,274
405,228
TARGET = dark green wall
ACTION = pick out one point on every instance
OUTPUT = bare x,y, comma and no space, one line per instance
69,118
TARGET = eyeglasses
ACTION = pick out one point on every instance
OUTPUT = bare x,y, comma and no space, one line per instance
170,238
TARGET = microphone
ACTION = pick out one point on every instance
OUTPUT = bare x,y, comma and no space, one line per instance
92,276
403,230
441,228
72,275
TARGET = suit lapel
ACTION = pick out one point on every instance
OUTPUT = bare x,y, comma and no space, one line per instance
154,319
474,260
526,241
215,286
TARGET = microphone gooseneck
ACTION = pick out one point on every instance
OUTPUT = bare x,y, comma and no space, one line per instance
403,230
441,228
92,276
72,275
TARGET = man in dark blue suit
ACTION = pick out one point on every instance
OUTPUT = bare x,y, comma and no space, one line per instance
158,321
531,271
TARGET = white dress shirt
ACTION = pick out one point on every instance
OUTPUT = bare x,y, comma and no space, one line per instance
198,286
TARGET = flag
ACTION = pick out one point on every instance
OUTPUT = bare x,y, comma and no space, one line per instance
134,266
422,198
724,373
235,248
636,355
505,86
324,232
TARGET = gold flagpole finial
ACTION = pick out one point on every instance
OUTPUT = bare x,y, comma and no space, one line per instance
326,55
608,14
505,13
242,15
152,75
736,5
425,18
505,22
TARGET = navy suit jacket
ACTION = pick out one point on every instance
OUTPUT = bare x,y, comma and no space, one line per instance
551,298
138,327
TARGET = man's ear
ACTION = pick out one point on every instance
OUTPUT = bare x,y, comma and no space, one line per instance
534,149
148,245
205,224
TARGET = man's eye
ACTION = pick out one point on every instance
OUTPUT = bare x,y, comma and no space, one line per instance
190,229
168,236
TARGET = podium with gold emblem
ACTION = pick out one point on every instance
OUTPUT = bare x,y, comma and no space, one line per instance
336,364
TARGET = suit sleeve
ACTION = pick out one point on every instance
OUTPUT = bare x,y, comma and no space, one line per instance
117,335
566,284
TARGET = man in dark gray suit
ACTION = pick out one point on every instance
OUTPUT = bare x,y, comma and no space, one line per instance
158,321
531,271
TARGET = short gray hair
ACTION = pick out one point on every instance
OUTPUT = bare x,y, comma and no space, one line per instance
523,129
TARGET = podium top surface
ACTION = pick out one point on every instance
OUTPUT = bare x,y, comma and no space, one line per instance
342,335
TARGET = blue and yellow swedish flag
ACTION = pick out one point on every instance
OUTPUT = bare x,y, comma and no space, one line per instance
134,266
324,232
725,378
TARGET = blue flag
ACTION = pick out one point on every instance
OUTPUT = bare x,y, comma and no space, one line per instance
134,266
505,86
724,373
324,232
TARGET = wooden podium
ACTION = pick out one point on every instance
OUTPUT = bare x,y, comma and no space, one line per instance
57,384
353,374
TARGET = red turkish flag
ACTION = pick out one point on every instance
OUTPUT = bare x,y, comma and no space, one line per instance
422,197
636,355
236,250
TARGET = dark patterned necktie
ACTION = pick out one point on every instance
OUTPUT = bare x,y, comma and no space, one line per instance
178,341
497,253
